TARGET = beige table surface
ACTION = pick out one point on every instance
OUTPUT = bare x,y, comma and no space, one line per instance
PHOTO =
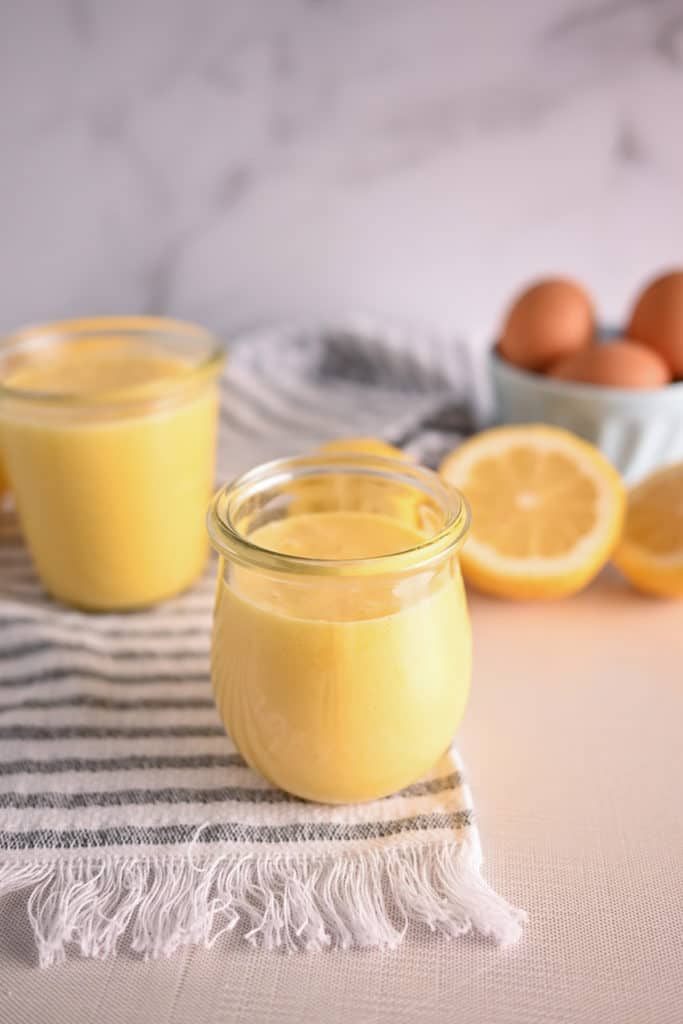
573,742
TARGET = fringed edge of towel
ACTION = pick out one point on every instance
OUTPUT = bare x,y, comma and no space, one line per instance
287,901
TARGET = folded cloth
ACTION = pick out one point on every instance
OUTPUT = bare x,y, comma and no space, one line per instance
126,814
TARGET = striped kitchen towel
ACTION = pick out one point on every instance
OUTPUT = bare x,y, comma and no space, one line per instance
127,817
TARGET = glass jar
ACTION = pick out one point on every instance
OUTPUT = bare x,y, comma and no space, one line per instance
341,649
108,432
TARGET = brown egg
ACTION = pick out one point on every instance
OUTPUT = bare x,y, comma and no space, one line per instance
657,319
551,319
616,364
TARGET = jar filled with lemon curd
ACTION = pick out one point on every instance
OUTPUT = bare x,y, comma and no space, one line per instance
341,650
108,435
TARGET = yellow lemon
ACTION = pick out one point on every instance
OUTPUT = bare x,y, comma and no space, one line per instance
547,510
650,553
361,446
356,493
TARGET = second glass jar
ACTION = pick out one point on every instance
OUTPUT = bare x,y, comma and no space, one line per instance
108,431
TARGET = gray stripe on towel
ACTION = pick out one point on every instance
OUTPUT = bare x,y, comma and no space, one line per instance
87,701
53,675
82,732
131,762
185,795
28,649
228,832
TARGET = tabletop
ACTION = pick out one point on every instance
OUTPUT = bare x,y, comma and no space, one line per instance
235,162
572,741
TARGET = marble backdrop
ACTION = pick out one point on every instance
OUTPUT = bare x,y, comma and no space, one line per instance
240,162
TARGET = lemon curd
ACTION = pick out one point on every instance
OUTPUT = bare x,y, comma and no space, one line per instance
108,433
341,686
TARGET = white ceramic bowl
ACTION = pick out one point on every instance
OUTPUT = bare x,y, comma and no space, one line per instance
638,431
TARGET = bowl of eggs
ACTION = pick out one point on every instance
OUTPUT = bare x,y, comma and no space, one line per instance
620,389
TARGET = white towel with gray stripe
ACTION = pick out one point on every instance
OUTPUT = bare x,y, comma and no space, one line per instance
127,817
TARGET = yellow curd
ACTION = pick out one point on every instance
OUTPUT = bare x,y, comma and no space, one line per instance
108,433
341,649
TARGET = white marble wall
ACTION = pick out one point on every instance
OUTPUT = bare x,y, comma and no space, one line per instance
238,162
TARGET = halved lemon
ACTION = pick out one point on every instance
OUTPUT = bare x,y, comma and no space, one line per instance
547,510
650,553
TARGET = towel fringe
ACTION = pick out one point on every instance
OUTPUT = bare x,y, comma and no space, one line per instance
284,901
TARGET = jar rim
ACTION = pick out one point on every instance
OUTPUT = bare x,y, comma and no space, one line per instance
230,542
102,327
